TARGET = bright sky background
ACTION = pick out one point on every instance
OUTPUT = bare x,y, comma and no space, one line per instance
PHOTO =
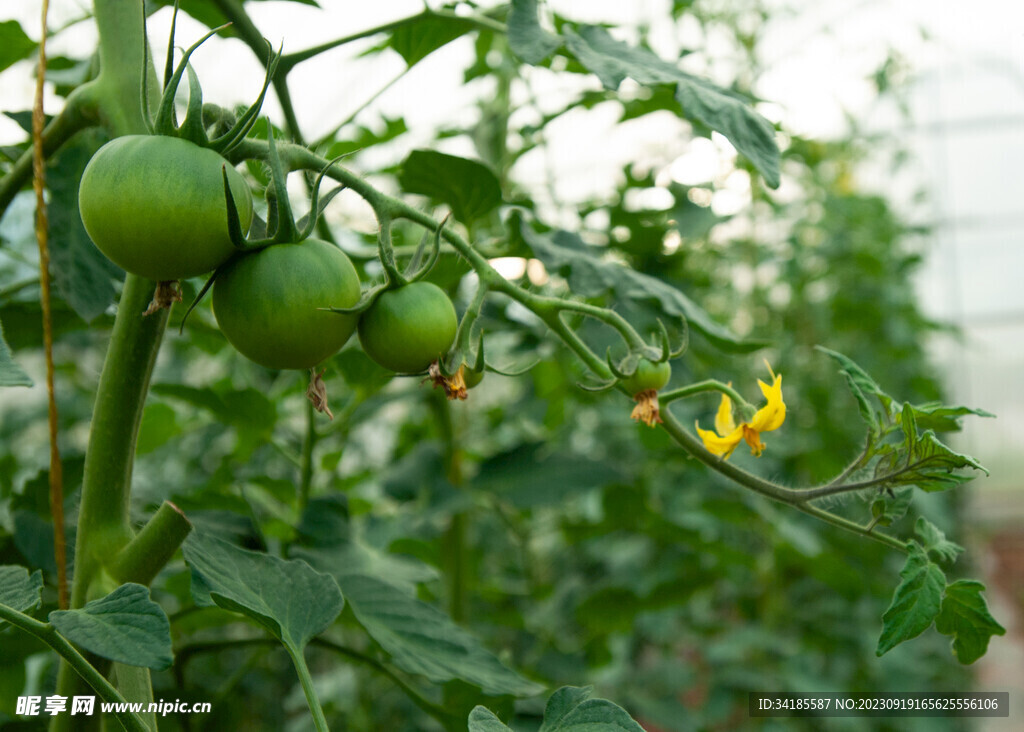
967,102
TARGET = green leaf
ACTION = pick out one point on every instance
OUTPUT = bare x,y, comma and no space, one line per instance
965,616
887,509
353,556
531,475
527,39
360,372
249,410
566,254
930,465
482,719
84,276
570,709
15,45
289,598
19,589
934,540
423,640
423,34
942,418
11,374
915,603
468,186
562,702
750,133
125,626
864,389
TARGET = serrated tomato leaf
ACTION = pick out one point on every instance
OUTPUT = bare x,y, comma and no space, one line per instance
965,616
935,541
83,275
943,418
527,39
721,110
421,35
423,640
468,186
915,603
126,626
15,44
864,390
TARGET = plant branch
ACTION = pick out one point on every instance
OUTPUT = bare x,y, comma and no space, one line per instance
798,498
147,553
550,310
701,387
251,36
289,61
49,635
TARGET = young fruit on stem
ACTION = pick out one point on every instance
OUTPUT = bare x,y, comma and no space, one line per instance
269,303
644,384
408,328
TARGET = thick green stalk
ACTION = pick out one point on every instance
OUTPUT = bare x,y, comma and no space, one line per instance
104,520
122,52
146,554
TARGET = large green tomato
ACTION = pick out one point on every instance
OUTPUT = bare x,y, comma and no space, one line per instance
155,206
408,328
267,303
648,376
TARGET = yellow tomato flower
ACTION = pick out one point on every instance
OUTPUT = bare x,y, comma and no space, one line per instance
727,435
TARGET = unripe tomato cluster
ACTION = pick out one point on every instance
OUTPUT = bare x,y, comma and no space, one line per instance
155,206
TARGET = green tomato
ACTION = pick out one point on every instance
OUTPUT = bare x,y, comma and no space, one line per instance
648,376
155,206
408,328
267,303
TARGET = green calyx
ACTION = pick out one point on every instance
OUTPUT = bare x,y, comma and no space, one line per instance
199,120
645,364
281,226
422,262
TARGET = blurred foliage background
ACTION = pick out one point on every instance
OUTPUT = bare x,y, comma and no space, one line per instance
579,546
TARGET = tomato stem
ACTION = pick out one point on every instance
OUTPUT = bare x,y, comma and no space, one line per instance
701,387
